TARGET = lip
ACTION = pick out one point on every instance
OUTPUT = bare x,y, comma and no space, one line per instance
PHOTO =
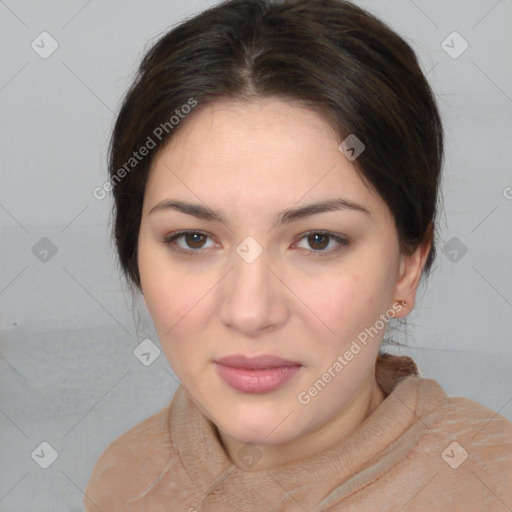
255,363
260,374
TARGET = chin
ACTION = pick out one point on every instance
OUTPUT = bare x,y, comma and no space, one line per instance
259,432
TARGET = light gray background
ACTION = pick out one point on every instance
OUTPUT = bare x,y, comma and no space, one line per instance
68,373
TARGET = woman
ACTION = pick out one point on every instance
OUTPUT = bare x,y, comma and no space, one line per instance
275,170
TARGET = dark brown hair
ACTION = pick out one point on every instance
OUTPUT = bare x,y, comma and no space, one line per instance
329,55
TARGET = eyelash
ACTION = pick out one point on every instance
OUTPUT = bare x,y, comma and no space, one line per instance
169,239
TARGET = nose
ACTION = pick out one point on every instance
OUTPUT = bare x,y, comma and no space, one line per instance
253,297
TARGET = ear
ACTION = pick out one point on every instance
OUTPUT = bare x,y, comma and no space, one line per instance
409,275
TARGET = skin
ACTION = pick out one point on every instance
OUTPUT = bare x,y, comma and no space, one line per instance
250,161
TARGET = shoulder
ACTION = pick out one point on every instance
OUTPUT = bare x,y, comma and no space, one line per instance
471,443
129,464
446,418
457,449
486,433
459,414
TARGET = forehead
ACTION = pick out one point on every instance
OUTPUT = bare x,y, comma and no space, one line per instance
264,150
263,128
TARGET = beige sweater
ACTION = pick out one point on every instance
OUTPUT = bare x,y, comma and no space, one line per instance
418,451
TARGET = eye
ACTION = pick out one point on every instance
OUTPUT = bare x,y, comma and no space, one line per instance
192,242
320,241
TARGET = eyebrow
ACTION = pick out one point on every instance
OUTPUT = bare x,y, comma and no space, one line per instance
283,217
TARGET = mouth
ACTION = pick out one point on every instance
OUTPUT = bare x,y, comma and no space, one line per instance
260,374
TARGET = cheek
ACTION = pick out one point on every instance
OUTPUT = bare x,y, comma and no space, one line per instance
175,297
177,303
179,307
342,304
338,300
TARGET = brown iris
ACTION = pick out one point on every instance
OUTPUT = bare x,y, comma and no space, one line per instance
192,239
313,239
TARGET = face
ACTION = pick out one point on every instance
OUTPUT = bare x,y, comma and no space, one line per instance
233,275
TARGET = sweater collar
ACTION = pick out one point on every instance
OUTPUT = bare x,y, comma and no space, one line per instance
195,438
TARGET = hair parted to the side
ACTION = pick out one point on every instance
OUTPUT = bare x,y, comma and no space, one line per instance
329,55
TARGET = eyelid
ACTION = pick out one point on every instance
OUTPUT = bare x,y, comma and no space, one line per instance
342,241
168,239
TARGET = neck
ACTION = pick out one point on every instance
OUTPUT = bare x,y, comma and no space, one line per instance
368,397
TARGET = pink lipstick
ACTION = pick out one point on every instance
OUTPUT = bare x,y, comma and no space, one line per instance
256,374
